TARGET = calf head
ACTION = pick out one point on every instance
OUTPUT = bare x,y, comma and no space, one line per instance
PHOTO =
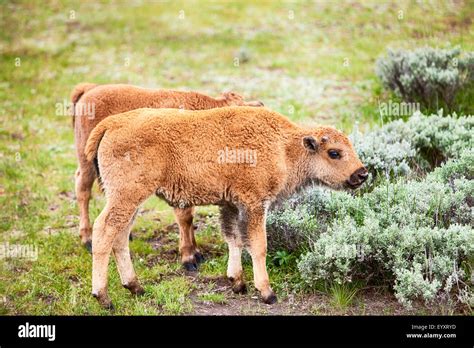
331,159
234,99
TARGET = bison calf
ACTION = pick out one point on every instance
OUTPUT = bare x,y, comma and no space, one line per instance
192,158
92,103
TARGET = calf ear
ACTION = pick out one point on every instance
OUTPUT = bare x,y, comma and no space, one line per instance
310,144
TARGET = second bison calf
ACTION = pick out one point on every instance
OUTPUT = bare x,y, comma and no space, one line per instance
178,155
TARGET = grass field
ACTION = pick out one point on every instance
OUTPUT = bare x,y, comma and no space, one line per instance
312,61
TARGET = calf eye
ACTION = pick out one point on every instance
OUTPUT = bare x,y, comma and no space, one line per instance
334,154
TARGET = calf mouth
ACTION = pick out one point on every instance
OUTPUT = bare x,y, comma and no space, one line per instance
353,185
255,103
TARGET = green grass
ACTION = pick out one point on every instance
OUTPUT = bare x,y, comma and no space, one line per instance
171,295
295,66
214,298
342,295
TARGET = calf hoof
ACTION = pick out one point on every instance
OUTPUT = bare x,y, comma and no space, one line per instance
110,307
269,299
239,288
135,288
194,261
190,266
88,246
199,258
238,285
104,301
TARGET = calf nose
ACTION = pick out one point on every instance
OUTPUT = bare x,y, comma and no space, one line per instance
362,173
255,103
358,177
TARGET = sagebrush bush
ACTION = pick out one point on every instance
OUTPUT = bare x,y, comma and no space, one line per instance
420,143
429,76
413,234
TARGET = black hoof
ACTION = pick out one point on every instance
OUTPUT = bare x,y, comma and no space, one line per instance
110,307
190,266
240,288
271,299
199,258
88,246
130,237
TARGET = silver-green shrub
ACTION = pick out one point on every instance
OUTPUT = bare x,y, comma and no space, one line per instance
430,76
419,143
414,234
411,233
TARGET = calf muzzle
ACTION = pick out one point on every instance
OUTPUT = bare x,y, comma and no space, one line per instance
357,178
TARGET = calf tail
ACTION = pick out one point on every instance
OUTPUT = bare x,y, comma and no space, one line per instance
93,142
76,94
92,147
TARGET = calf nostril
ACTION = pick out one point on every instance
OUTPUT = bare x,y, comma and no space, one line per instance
362,173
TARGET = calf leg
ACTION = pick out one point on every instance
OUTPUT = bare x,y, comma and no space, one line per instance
112,222
198,257
85,176
124,262
190,255
257,247
232,235
234,266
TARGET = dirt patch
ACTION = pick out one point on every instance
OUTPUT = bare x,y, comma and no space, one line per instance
74,279
166,248
67,195
367,302
47,299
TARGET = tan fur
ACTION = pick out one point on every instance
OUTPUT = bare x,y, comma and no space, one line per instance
92,103
174,154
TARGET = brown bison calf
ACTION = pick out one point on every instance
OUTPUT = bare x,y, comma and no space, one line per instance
92,103
239,158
